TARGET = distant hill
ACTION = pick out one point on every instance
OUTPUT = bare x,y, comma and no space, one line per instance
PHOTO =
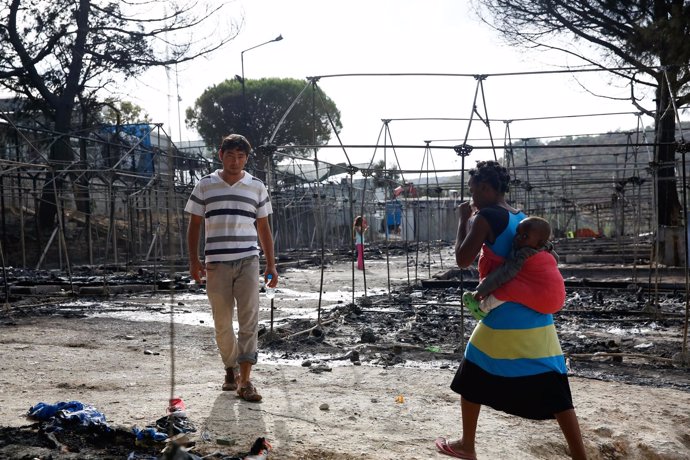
586,164
603,182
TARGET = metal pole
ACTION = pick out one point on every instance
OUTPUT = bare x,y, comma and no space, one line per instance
244,88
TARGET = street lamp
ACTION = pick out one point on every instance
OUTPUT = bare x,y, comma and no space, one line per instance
244,89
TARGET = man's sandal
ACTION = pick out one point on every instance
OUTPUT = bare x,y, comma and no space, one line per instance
472,305
248,392
231,378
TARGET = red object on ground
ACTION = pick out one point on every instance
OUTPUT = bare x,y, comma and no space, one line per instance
176,405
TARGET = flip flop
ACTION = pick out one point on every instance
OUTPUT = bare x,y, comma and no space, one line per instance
472,305
444,448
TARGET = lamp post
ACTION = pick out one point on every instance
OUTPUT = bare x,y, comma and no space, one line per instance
244,88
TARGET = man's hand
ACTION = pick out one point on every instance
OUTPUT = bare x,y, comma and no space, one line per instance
271,270
197,270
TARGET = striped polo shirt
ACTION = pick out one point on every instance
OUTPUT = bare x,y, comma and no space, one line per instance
230,212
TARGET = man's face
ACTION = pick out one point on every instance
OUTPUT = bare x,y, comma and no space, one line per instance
234,160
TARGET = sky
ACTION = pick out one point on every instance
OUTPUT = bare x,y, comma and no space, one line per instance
333,37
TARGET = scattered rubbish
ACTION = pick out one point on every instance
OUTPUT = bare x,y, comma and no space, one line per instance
320,368
177,452
223,441
433,349
171,427
181,439
141,456
352,355
400,399
148,434
177,405
681,359
368,336
259,450
175,423
70,414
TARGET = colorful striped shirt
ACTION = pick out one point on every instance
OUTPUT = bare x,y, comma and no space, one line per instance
513,340
230,213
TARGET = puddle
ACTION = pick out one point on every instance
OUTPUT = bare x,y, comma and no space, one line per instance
329,360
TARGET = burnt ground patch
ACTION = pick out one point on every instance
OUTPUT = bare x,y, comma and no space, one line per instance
627,334
606,334
37,441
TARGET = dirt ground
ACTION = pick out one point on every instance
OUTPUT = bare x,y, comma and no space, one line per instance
371,383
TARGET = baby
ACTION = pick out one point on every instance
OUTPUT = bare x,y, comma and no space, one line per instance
532,237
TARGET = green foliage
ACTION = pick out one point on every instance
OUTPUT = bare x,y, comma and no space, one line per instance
61,53
219,111
58,51
128,112
385,177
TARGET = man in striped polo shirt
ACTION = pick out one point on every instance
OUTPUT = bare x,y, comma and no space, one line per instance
234,208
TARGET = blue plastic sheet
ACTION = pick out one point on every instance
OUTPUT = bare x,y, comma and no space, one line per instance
70,413
149,433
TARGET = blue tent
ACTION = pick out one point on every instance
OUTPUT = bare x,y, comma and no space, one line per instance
140,134
393,216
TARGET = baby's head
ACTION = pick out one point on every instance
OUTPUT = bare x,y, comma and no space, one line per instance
533,232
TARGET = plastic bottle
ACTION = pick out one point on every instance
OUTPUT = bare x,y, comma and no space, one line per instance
270,292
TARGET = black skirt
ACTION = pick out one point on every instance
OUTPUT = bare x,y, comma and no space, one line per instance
536,397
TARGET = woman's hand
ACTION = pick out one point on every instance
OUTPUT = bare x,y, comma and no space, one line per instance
473,230
466,211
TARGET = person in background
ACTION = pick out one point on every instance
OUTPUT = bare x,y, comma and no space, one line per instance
234,208
358,229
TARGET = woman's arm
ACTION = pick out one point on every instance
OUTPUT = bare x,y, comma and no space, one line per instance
472,232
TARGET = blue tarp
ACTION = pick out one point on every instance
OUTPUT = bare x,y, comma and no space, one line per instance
70,413
139,130
133,134
393,216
